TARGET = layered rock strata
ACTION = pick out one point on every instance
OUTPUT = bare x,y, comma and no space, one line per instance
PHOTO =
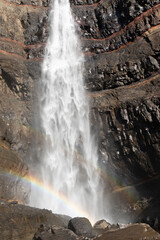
120,40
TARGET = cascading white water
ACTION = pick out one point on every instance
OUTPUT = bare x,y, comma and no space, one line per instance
69,159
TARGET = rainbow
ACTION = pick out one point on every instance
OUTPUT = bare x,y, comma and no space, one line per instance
126,191
78,210
104,173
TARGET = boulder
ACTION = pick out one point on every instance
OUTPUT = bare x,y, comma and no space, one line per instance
80,226
131,232
54,233
102,224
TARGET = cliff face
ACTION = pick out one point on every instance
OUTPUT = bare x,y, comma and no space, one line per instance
121,42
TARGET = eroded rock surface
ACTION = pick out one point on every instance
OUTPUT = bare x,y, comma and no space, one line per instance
128,232
19,222
120,40
132,232
12,170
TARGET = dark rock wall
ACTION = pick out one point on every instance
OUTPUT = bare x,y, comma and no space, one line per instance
121,42
128,120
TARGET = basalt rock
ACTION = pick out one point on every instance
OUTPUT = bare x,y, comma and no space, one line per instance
80,226
120,40
127,120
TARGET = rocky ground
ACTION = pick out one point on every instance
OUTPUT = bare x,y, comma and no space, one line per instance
121,43
19,222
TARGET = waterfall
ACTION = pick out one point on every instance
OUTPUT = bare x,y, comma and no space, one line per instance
69,157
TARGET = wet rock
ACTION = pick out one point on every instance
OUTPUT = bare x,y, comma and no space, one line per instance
80,226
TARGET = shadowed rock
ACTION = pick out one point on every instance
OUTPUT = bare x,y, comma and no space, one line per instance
80,226
54,233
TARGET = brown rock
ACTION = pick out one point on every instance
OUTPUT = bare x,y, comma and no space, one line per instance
132,232
80,226
12,170
19,222
102,224
120,39
54,233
